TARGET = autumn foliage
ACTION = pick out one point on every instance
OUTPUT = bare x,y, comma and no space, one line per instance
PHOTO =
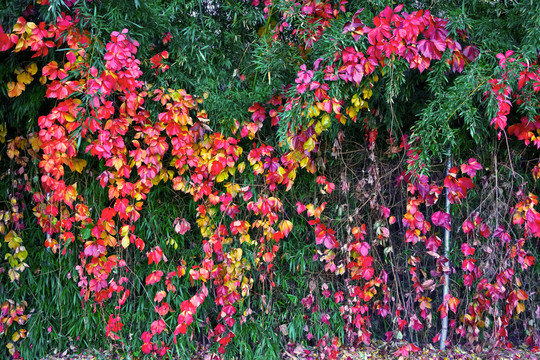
380,261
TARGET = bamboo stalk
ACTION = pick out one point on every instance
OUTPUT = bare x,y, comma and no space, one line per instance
444,330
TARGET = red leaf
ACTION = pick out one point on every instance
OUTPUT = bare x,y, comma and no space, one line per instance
433,243
160,295
431,48
229,310
155,256
108,213
163,309
181,329
533,221
405,350
157,326
484,230
467,250
146,348
443,309
499,121
468,265
468,279
471,168
338,296
359,232
146,337
154,277
190,305
415,323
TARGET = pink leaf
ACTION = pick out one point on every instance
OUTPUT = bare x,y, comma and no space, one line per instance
467,250
364,248
467,226
471,168
441,218
181,227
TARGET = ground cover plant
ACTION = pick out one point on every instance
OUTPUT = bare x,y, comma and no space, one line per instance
269,179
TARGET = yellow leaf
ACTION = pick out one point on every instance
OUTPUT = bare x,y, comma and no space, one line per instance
355,101
318,127
78,165
241,167
313,111
13,240
292,174
69,117
125,242
31,69
3,132
29,27
13,275
24,78
20,268
309,145
257,168
352,111
173,243
364,104
304,161
237,254
124,230
35,142
20,44
367,93
326,121
111,240
245,238
21,253
11,348
310,166
224,175
285,227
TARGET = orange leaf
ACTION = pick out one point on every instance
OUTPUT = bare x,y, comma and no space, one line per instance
15,89
268,257
285,227
453,303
